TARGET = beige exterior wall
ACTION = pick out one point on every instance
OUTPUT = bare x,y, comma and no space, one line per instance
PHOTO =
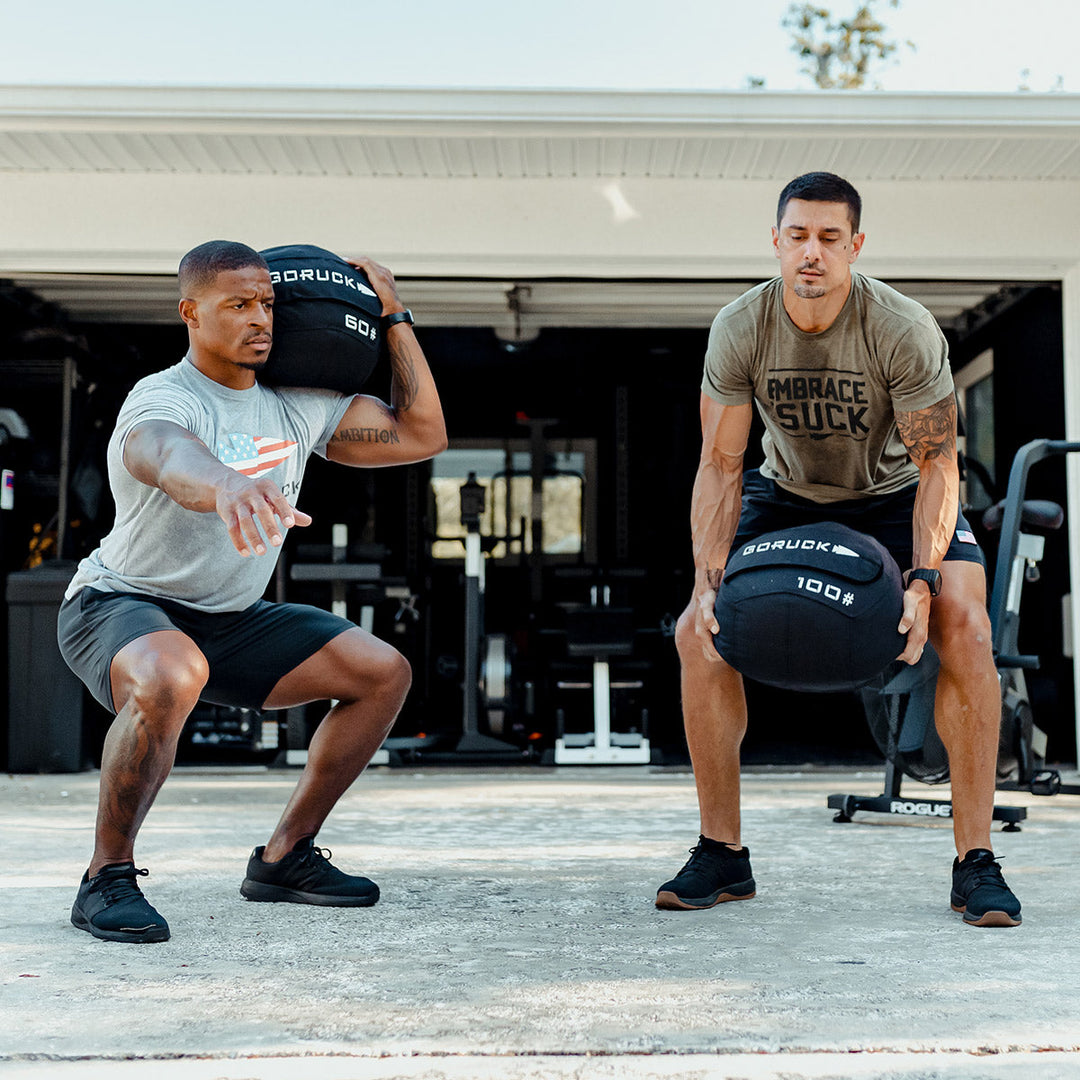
637,227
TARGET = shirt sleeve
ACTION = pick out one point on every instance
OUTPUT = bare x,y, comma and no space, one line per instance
727,377
320,410
161,402
918,370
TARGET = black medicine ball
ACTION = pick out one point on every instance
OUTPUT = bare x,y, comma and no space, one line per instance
813,608
326,321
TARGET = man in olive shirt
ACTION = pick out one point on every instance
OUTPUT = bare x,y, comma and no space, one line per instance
852,382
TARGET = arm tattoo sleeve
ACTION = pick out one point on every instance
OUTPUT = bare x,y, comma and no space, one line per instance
930,433
405,384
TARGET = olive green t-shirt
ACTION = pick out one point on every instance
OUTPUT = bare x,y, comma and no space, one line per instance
829,400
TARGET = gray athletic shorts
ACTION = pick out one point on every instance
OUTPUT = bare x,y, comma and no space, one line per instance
248,651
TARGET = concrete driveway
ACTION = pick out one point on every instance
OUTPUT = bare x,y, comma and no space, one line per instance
517,937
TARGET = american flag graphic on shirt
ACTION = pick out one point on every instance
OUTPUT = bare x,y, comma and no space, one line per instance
254,455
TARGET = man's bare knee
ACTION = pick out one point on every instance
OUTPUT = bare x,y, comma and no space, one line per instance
160,679
962,635
393,672
687,642
376,669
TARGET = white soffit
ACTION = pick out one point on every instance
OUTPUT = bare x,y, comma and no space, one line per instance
509,134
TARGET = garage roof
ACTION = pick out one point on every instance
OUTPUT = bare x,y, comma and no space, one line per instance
540,134
607,207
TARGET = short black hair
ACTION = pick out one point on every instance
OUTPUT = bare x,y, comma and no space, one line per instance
822,187
202,264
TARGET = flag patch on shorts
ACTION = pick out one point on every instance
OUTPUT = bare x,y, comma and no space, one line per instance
965,537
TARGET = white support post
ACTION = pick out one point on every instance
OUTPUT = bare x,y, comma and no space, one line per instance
339,553
1070,315
601,688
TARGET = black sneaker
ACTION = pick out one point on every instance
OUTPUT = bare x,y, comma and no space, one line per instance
305,876
110,905
713,873
980,892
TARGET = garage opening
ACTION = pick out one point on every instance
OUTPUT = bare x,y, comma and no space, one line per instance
574,405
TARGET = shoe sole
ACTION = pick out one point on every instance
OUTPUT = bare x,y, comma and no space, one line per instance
668,901
131,936
989,918
277,894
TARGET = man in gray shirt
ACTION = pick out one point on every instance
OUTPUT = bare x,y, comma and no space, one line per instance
205,465
851,380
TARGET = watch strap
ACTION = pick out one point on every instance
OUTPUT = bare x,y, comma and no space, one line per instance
405,316
931,577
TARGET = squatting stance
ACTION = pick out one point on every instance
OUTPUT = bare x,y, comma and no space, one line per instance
852,382
169,609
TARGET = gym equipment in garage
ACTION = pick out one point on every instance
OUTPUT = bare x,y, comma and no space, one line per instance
339,573
225,732
900,712
906,700
495,676
598,632
1023,743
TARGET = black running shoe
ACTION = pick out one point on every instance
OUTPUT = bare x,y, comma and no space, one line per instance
980,892
305,876
110,905
713,873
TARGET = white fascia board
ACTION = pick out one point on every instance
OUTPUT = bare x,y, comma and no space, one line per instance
466,111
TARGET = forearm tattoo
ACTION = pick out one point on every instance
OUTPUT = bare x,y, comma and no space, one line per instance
405,385
930,433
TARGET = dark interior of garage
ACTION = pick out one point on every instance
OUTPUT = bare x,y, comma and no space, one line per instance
609,418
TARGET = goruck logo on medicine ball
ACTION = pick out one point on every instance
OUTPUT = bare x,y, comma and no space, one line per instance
326,321
813,608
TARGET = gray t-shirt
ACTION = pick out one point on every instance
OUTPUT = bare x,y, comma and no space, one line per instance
157,547
829,400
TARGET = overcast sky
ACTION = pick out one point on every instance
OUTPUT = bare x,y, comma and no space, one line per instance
961,45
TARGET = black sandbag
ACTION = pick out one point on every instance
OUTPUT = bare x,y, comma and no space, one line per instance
814,608
326,321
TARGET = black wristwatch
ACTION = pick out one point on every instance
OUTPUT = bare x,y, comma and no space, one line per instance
931,577
398,316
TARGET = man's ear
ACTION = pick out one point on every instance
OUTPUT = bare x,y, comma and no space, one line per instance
776,241
856,246
189,312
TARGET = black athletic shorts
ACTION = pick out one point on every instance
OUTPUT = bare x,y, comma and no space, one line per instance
247,651
767,507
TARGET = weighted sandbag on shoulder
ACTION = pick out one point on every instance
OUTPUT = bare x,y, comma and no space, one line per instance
326,321
814,608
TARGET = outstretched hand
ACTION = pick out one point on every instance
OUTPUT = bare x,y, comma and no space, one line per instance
245,505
